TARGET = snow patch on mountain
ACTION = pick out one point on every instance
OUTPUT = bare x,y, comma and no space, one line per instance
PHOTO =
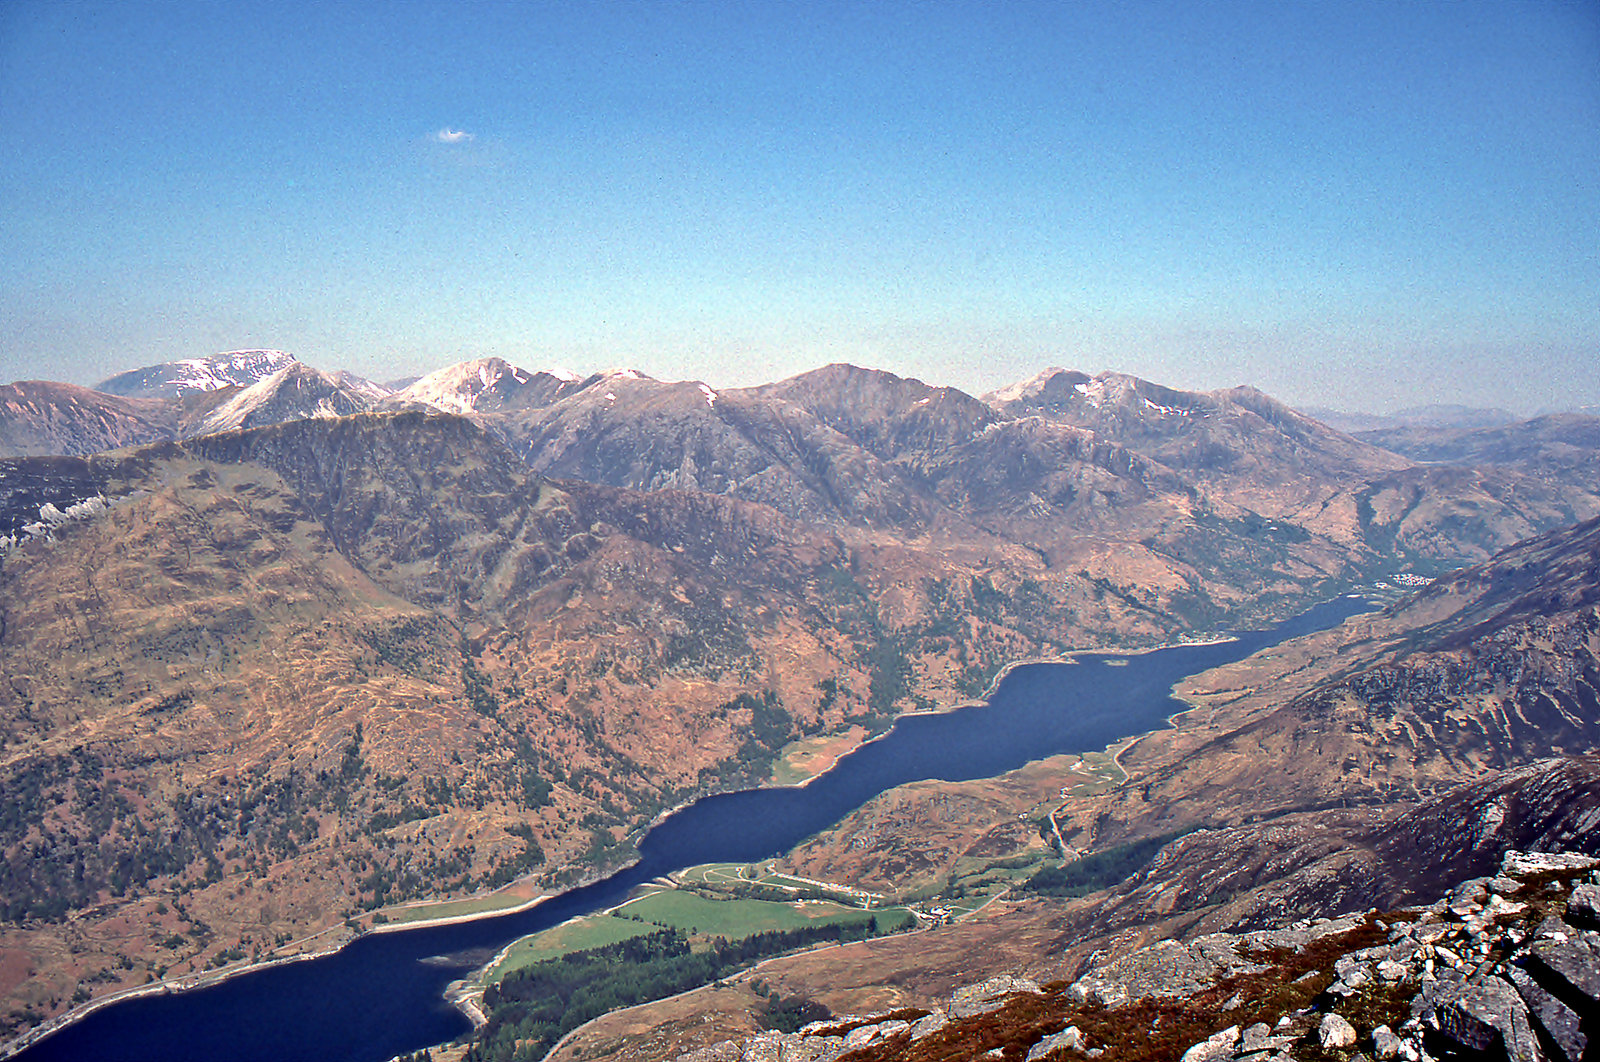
1176,411
233,368
51,517
1025,388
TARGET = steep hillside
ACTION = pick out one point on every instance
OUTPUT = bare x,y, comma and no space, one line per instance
38,418
1494,667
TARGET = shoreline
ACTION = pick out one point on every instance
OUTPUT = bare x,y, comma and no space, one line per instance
210,979
465,1005
456,920
168,986
1069,657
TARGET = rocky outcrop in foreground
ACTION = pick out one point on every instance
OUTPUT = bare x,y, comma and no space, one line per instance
1504,967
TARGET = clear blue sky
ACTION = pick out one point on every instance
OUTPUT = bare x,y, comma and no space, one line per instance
1366,205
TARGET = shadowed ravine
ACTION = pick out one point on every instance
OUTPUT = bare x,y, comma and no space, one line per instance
382,995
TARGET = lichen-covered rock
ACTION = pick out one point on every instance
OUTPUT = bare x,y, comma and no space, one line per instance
871,1034
1298,935
1068,1039
929,1025
1488,1015
1165,970
1390,970
810,1049
1521,864
726,1051
762,1049
1254,1038
1215,1047
990,995
1335,1032
1568,961
1583,907
1385,1044
1560,1023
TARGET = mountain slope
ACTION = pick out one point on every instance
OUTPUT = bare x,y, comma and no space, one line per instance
177,400
1240,443
1494,667
1244,447
295,392
1182,506
39,418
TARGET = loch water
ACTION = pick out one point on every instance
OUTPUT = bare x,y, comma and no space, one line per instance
382,995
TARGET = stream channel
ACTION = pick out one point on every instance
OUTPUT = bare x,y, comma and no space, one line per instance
382,995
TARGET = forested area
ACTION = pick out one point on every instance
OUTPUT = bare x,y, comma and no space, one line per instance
535,1006
1100,870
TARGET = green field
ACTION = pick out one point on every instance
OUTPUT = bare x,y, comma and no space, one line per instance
715,873
593,932
694,914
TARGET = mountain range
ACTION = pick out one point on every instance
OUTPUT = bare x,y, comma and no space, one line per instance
281,646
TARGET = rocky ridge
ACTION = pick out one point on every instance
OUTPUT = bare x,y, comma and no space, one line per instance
1506,966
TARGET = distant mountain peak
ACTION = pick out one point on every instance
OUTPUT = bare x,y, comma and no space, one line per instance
173,379
1054,378
294,392
479,383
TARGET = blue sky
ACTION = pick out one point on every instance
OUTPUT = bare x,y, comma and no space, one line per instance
1364,205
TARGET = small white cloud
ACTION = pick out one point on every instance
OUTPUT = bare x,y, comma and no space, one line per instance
452,136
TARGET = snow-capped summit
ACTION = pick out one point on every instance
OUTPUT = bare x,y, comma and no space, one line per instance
173,379
1056,391
485,384
1049,382
295,392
